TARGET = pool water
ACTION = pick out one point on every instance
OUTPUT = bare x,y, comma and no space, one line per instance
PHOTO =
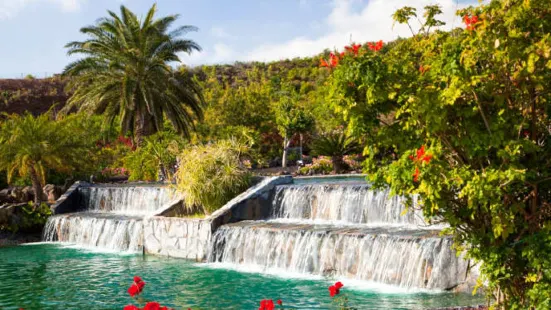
54,276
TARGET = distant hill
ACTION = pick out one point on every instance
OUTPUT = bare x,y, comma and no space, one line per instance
34,95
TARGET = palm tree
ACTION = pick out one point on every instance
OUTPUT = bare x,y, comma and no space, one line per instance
126,73
337,145
30,146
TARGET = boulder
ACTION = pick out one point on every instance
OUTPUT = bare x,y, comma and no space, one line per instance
17,193
52,192
27,194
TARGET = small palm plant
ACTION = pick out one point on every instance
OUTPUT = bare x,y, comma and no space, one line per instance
30,146
126,74
336,145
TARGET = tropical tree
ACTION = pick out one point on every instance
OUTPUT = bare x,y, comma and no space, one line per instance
291,118
30,146
126,73
462,119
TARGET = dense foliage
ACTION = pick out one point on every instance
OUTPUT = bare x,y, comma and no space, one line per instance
31,146
210,175
127,74
264,102
461,118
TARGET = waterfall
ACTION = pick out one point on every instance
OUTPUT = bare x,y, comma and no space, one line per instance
344,204
406,258
112,218
109,232
343,230
131,200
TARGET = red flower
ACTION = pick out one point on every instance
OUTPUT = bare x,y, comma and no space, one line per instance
416,174
137,287
421,156
339,285
323,63
376,46
130,307
470,21
152,306
334,60
133,290
266,304
279,302
354,49
333,290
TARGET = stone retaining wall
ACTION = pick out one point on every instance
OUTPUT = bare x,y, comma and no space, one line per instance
190,238
177,237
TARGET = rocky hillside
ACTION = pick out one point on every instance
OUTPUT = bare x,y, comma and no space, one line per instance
34,95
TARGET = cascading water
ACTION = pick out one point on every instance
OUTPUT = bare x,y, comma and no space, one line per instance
344,204
130,200
343,230
112,218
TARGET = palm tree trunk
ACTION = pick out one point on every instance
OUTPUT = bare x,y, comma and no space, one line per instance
143,125
37,185
338,164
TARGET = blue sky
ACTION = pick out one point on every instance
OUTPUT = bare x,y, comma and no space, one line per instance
33,32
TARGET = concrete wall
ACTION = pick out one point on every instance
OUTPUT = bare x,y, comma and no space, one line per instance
177,237
190,238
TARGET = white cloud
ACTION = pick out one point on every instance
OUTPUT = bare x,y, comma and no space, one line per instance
345,23
372,23
10,8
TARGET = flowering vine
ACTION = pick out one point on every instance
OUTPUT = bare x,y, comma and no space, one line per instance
470,21
419,158
375,46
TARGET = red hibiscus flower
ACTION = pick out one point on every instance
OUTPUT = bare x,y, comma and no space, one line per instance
339,285
266,304
130,307
137,287
133,290
375,46
152,306
416,174
333,290
279,302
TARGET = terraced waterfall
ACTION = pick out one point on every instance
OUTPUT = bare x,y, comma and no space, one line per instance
342,230
111,217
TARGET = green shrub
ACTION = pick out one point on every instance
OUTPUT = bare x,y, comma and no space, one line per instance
320,165
210,175
31,218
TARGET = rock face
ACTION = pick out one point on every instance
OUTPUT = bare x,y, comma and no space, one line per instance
52,192
28,193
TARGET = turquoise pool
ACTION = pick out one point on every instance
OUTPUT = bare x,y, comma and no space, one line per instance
50,276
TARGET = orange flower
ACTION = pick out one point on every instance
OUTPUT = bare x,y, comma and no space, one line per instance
416,174
354,48
375,46
423,69
470,21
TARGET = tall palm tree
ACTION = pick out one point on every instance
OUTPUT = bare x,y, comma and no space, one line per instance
30,146
126,73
